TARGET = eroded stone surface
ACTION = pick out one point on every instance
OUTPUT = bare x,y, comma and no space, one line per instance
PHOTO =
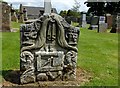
48,50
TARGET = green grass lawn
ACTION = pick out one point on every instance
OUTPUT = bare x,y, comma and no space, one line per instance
15,25
98,54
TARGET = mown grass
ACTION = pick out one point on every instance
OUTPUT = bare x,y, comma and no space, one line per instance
98,54
15,25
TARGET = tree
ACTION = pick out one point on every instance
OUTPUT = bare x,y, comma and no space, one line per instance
96,8
63,13
101,8
112,7
76,6
73,13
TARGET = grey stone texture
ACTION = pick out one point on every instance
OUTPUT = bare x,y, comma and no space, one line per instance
14,16
83,20
109,21
94,22
102,25
48,7
25,14
48,50
6,17
21,16
116,24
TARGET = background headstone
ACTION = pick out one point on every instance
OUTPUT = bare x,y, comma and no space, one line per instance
94,23
101,19
114,25
6,17
102,26
88,19
25,14
83,19
21,19
13,16
118,23
47,7
68,19
109,20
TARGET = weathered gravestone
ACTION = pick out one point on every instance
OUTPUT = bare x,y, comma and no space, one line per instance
83,19
13,15
48,50
21,17
83,22
116,23
48,6
102,25
109,20
68,19
94,23
25,14
6,17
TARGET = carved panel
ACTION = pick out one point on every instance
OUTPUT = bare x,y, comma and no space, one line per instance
48,50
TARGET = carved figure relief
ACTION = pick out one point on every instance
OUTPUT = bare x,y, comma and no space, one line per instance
48,50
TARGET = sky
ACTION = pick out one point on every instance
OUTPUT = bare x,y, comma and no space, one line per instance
58,4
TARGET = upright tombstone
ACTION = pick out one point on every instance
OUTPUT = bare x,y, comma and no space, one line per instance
83,20
102,25
48,7
94,22
68,19
13,15
6,17
21,19
25,14
48,50
118,23
109,20
114,25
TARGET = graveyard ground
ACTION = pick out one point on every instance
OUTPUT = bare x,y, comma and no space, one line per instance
97,56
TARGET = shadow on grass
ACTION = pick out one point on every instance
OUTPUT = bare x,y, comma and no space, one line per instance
11,76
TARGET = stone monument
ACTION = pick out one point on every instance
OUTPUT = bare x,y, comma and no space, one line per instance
83,20
13,15
20,18
116,22
6,17
102,25
94,23
25,14
48,49
109,20
48,6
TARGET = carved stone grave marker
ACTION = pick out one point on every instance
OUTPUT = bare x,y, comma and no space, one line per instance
48,50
